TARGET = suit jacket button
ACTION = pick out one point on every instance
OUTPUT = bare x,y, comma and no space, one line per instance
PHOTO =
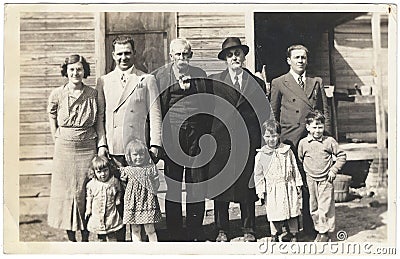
131,110
297,111
294,100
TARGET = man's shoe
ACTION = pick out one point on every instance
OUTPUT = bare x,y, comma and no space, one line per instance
222,237
287,237
324,237
248,237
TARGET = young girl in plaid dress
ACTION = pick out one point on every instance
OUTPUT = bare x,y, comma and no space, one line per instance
141,205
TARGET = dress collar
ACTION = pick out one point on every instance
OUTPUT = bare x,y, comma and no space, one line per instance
282,149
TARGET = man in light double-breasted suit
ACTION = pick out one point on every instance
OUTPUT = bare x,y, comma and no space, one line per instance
127,99
293,96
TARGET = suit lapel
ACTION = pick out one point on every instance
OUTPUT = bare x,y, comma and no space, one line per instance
292,85
230,91
131,85
310,85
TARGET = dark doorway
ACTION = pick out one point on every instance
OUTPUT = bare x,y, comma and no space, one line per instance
275,32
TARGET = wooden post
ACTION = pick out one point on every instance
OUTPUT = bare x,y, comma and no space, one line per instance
379,106
100,44
249,34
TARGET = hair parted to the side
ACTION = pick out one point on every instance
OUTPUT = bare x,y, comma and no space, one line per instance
135,145
295,47
98,163
122,39
271,126
72,59
315,115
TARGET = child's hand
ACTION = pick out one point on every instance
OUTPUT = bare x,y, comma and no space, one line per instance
117,202
298,188
331,176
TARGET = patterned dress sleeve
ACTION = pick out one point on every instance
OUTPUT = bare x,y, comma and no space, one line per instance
259,179
52,106
123,174
155,179
89,197
118,190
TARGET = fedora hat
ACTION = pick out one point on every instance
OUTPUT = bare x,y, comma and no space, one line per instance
229,43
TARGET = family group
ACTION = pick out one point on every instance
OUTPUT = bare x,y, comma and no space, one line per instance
271,142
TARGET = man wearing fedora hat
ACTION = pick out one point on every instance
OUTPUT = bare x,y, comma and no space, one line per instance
245,94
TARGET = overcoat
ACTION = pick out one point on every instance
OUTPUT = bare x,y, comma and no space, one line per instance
198,80
124,111
231,168
291,104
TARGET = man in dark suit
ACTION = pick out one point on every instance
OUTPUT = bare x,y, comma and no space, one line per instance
293,96
241,106
179,83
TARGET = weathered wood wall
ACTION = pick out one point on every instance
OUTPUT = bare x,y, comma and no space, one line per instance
353,53
46,39
353,64
206,32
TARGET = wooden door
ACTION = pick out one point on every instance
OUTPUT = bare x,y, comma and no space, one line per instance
152,33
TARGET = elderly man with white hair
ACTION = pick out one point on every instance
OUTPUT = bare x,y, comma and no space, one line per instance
183,125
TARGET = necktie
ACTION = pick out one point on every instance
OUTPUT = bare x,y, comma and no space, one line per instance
123,79
237,85
301,82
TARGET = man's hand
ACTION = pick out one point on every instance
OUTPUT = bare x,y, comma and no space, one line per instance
103,151
88,214
155,154
262,197
331,176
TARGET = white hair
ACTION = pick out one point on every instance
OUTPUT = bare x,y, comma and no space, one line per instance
180,41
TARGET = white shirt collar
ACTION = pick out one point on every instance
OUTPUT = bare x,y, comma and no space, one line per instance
126,72
296,76
233,74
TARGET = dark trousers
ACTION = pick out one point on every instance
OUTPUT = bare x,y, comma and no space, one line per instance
120,161
247,215
195,187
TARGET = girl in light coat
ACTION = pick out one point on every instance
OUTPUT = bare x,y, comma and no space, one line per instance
278,182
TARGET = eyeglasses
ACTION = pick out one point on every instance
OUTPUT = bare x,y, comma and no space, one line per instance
237,53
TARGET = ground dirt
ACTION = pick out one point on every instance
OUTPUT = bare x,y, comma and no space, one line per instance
363,219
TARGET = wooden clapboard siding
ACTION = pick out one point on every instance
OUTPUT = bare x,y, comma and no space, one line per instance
206,31
319,57
353,64
46,38
353,53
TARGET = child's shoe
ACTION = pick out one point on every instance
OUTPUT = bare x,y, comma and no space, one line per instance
317,238
274,238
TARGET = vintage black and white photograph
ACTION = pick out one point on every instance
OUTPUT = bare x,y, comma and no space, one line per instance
198,124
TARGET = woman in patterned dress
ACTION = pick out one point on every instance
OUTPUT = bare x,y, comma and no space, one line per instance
72,113
141,205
